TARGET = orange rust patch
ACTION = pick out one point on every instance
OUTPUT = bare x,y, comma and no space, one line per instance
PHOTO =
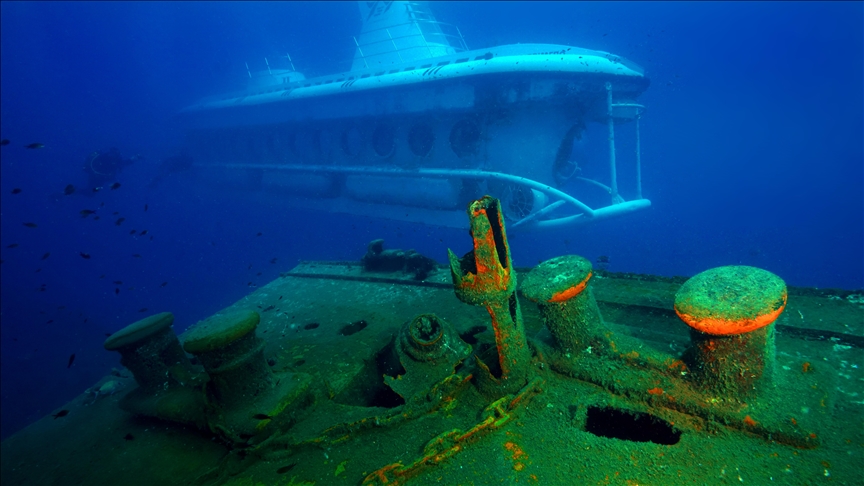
656,391
749,422
806,367
723,327
573,291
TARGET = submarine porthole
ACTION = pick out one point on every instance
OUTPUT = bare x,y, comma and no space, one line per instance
384,140
421,139
633,426
352,141
465,138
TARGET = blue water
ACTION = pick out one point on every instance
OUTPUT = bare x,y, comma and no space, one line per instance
752,152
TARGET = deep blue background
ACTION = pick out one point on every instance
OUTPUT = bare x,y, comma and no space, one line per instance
752,150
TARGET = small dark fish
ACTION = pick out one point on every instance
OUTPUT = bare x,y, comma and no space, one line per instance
143,233
284,469
38,270
115,213
107,334
95,218
273,260
13,245
280,298
136,256
97,189
71,360
116,185
16,191
46,255
49,321
129,437
602,259
85,256
258,274
30,225
118,282
70,189
86,212
259,234
116,291
262,416
119,221
145,208
132,232
61,413
5,141
163,284
35,146
102,276
151,238
143,309
269,308
61,307
250,267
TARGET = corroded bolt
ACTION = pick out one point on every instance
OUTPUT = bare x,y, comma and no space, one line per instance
560,288
151,351
731,311
483,277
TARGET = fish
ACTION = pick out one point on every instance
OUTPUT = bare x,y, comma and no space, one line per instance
259,234
118,282
38,270
97,189
273,260
16,190
45,256
35,145
61,413
269,308
70,189
5,141
116,291
115,213
86,212
136,256
163,284
602,259
85,256
143,233
30,225
262,416
129,437
116,185
13,245
284,469
102,276
143,309
145,208
119,221
49,321
151,237
95,218
280,298
132,232
71,360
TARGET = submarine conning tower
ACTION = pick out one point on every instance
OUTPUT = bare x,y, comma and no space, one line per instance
421,125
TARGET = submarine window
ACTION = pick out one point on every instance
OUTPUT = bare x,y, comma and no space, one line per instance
633,426
444,63
384,140
465,138
379,74
352,141
457,61
394,71
365,76
409,68
425,66
421,139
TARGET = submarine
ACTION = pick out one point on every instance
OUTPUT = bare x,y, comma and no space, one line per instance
421,125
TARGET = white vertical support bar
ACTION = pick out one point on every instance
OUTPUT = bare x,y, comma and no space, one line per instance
395,47
614,172
638,160
248,71
292,62
268,66
361,53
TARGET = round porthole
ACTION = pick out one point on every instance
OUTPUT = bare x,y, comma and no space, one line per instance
465,138
352,141
384,140
421,139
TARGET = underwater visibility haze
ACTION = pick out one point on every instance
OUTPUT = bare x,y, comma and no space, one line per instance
198,158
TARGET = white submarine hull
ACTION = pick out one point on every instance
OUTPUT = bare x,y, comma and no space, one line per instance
416,138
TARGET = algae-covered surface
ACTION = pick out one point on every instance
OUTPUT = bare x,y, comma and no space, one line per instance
338,323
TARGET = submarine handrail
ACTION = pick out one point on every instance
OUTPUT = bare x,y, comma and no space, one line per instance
434,173
460,46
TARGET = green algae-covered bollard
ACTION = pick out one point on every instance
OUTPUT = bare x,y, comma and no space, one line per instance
731,311
560,287
484,277
151,351
232,355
